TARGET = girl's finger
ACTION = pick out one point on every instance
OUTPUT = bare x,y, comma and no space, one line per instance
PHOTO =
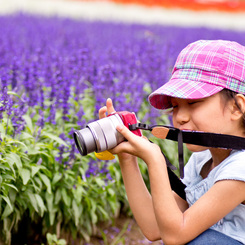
109,105
125,132
102,112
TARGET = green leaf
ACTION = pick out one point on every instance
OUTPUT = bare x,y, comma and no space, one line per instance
61,242
2,131
7,177
57,196
13,158
11,186
100,182
40,204
76,213
111,191
37,183
50,201
12,195
13,93
28,123
26,136
7,211
51,217
85,235
18,142
50,206
37,203
25,175
7,200
35,169
46,181
55,138
104,237
56,178
66,198
33,201
104,213
51,238
93,215
78,193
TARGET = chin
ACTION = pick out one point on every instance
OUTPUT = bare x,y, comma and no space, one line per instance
196,148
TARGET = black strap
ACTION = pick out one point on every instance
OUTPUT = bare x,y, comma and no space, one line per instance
176,184
175,134
203,139
207,139
199,138
196,138
181,154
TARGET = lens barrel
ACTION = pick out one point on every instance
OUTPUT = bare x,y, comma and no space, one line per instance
99,135
84,141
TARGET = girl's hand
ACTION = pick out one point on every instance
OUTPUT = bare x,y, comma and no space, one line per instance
108,109
137,146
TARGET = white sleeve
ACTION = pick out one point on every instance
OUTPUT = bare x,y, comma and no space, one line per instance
234,169
194,166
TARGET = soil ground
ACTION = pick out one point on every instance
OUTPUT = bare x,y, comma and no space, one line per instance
124,231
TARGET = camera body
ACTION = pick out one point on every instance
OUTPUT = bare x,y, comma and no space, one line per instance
102,135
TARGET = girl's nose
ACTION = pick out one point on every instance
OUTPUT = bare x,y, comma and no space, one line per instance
182,116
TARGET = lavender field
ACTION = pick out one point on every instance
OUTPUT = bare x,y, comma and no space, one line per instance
55,74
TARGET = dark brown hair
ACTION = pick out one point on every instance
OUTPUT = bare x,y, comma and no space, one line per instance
231,95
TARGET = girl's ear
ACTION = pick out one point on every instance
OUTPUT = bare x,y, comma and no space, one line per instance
238,109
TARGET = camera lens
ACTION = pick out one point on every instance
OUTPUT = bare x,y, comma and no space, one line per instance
80,143
84,141
99,135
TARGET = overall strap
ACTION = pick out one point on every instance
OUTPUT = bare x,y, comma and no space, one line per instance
190,137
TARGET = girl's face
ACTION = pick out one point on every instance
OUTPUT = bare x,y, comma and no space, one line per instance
207,115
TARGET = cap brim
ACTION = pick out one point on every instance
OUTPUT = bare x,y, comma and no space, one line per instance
180,88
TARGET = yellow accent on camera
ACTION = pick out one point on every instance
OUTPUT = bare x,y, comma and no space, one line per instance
104,155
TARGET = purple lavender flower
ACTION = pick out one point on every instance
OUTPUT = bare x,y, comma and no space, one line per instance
93,169
41,121
56,60
62,149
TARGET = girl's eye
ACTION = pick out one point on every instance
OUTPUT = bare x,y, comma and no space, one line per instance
194,102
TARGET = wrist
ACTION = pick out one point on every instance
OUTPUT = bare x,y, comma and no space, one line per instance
125,158
152,155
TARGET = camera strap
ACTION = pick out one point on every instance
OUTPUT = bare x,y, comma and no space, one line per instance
215,140
191,137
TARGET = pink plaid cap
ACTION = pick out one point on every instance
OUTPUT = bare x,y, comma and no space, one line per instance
203,69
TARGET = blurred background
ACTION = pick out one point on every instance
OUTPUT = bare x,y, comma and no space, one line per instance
227,14
59,61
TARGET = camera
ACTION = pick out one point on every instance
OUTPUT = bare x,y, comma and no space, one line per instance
102,135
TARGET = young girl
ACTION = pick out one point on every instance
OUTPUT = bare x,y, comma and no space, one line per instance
206,93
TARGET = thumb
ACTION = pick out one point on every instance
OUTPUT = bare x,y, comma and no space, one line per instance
122,129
